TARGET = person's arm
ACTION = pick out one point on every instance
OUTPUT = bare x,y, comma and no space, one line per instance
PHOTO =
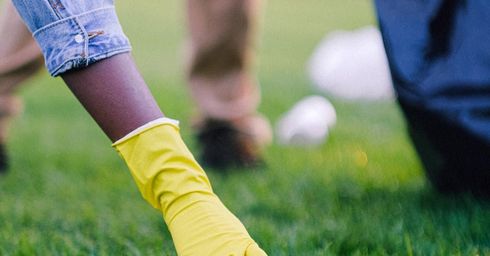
82,41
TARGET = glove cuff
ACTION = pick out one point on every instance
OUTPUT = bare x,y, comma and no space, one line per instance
147,126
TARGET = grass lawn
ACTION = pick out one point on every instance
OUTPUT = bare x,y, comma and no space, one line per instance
362,193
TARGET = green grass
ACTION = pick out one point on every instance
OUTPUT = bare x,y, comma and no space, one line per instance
68,192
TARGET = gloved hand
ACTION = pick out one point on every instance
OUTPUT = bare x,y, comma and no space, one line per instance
171,180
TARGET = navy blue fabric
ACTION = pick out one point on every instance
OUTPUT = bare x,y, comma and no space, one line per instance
439,55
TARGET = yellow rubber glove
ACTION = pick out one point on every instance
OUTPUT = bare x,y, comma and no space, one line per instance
171,180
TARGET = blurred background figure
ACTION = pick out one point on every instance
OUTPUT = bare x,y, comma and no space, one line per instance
20,58
221,80
220,48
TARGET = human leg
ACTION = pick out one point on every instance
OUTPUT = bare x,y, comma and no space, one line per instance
438,63
454,159
92,57
20,58
222,81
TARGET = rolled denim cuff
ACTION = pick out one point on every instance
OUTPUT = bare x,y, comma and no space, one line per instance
77,41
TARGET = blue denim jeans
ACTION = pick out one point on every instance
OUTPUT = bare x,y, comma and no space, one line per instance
73,33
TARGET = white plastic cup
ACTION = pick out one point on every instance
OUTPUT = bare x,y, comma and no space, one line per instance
307,123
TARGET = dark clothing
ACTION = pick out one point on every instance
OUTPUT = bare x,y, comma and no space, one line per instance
439,55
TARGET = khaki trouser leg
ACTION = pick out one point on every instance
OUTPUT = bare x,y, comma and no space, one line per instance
20,58
221,54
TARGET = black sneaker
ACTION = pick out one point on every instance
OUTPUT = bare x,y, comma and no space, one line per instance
4,163
223,146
